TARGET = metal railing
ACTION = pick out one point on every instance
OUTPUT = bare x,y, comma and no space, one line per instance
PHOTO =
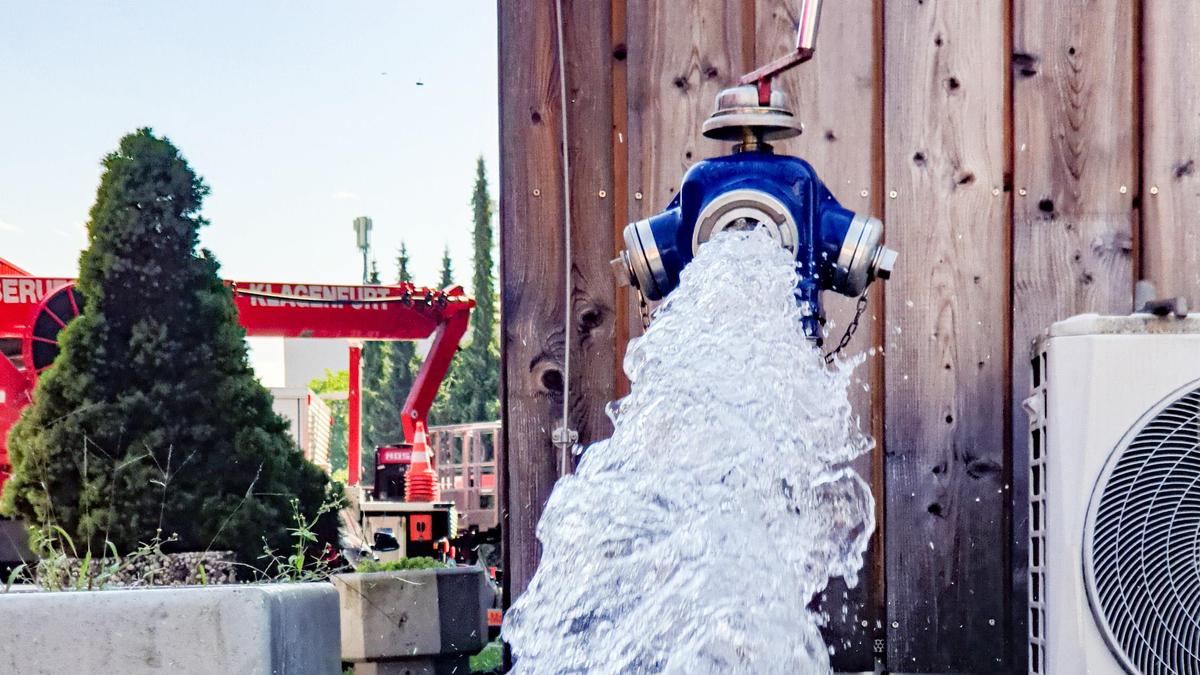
466,457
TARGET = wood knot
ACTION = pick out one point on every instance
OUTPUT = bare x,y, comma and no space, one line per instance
546,375
952,83
1185,169
681,82
1026,64
620,52
982,468
552,380
589,319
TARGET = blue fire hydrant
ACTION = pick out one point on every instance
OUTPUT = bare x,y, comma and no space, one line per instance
836,249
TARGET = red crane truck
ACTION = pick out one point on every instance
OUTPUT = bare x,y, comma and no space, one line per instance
33,310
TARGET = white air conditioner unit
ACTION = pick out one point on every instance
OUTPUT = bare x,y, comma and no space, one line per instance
1114,447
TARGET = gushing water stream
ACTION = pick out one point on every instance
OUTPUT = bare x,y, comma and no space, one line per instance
693,540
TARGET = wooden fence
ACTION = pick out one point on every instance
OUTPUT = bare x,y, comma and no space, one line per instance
1031,159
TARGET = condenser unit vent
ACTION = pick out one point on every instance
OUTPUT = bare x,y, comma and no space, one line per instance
1038,433
1142,541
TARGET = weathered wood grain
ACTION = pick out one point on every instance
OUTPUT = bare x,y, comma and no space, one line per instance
835,95
593,298
627,322
532,278
1171,160
1075,169
680,54
927,115
533,251
947,336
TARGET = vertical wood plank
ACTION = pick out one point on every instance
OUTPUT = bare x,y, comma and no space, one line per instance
627,322
532,254
680,54
945,101
593,288
1171,163
1075,168
531,277
835,96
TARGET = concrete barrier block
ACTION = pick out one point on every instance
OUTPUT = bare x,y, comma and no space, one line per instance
413,613
269,629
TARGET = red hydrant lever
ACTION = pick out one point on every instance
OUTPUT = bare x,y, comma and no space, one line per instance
806,40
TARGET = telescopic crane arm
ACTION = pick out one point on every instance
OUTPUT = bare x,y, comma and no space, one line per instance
33,310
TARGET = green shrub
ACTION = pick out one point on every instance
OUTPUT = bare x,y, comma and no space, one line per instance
151,421
419,563
489,659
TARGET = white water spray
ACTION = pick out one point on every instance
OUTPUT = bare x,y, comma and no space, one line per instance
694,539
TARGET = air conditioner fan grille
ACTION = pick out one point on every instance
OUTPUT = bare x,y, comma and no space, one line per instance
1144,542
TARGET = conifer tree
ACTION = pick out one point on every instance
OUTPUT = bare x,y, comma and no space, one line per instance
483,352
447,405
472,388
151,419
374,399
447,279
402,363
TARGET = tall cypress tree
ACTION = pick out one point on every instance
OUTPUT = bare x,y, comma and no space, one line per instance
402,364
483,352
447,279
447,406
472,388
151,419
374,400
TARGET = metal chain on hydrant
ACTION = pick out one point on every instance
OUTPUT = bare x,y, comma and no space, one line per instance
643,310
859,310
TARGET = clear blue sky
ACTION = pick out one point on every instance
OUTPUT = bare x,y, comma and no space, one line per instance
300,116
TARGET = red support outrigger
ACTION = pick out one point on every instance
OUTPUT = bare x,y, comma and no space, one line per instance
34,309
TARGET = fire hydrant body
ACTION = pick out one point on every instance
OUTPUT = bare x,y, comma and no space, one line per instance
836,249
782,194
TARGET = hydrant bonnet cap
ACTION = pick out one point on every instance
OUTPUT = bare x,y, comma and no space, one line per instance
738,109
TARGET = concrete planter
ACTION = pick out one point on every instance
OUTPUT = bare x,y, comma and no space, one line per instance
413,622
276,629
